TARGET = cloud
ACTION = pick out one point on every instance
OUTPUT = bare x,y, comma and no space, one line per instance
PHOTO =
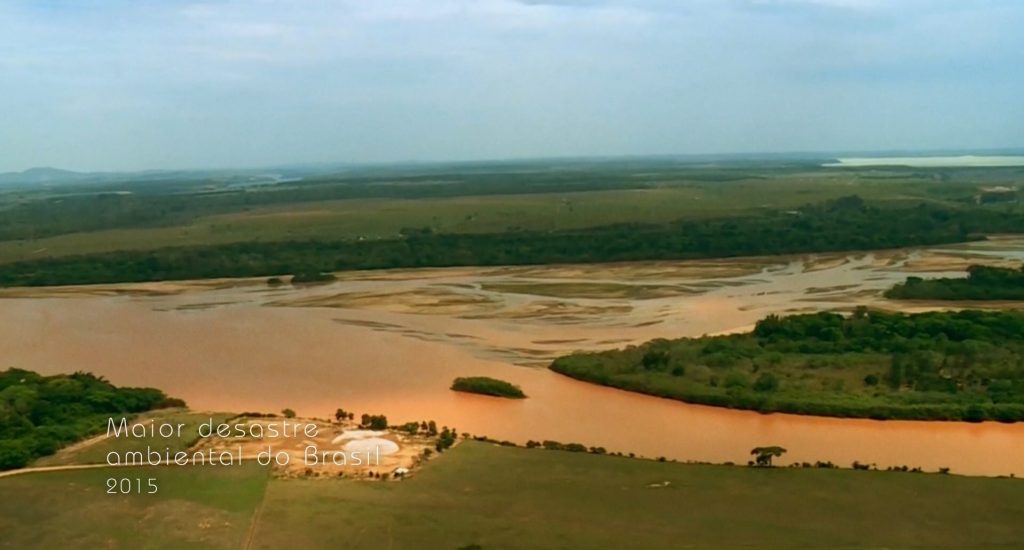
127,84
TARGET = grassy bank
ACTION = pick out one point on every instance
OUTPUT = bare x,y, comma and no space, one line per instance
933,366
96,453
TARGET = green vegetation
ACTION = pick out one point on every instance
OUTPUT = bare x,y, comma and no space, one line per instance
158,227
966,365
373,421
487,386
763,455
843,224
501,497
982,283
195,507
39,414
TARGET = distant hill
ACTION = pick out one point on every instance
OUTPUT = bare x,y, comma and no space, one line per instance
44,175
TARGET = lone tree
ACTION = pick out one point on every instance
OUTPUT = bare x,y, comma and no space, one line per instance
764,455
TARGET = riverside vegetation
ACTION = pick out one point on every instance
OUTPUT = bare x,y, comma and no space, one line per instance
39,414
981,283
966,365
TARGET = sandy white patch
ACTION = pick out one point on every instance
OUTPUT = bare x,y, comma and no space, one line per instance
370,446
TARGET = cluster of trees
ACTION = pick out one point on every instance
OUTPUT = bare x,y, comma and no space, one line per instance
982,283
425,427
763,455
40,414
551,445
842,224
373,421
966,365
487,386
445,439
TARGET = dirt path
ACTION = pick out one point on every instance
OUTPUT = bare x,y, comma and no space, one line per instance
250,535
36,469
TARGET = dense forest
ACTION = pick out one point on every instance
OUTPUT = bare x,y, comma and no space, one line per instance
981,283
842,224
966,365
40,414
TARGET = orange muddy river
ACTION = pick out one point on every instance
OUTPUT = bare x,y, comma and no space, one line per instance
392,341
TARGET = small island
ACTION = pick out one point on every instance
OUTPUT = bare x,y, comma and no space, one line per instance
965,365
305,277
981,283
484,385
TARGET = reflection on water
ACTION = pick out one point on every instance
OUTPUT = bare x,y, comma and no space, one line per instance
391,342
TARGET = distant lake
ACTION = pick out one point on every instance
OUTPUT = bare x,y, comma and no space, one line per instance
929,162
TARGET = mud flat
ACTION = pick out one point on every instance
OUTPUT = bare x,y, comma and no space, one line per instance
391,342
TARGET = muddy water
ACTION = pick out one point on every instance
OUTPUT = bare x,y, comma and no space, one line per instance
391,342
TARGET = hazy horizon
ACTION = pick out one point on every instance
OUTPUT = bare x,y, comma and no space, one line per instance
1014,154
170,84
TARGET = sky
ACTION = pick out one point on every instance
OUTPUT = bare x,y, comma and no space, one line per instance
164,84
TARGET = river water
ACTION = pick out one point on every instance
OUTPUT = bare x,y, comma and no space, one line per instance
391,342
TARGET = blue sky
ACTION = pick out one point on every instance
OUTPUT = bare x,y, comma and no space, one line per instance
135,84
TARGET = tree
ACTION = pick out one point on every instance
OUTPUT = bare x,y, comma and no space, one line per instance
763,455
374,421
654,359
767,382
340,414
288,413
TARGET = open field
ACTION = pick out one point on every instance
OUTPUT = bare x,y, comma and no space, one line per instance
92,221
385,218
196,506
500,497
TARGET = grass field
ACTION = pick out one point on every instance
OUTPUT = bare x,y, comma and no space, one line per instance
385,218
499,497
196,507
